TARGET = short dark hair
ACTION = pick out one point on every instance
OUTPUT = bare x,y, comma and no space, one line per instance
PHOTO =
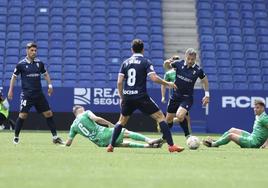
259,102
137,45
31,44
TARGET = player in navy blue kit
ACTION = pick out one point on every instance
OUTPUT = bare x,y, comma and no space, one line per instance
134,94
187,72
31,69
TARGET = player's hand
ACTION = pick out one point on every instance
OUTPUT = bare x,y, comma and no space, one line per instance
10,95
172,85
50,91
205,100
163,100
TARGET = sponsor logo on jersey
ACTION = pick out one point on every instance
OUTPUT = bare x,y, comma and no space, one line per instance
130,92
33,75
184,78
241,101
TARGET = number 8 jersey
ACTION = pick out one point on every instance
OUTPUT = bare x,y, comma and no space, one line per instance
135,71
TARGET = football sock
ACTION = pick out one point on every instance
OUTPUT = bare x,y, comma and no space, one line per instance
224,139
138,136
116,133
135,145
18,126
51,125
184,126
166,133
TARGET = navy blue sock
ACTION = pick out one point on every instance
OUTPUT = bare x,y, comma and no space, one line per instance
51,125
184,126
116,133
18,126
166,133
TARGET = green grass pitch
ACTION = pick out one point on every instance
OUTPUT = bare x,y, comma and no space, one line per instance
37,163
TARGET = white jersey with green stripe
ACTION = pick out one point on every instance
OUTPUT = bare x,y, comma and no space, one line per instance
260,128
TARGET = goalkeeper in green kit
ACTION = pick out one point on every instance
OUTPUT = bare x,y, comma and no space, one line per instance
90,126
257,139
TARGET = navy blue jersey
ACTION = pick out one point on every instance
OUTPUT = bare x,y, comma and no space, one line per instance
186,78
30,76
135,71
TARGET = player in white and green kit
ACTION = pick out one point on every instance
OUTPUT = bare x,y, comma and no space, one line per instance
88,125
256,139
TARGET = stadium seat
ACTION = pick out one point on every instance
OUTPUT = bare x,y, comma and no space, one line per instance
226,85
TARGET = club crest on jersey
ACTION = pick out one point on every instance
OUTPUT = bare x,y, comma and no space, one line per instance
152,67
194,72
26,66
37,64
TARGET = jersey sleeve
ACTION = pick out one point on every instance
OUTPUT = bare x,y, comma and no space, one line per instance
17,70
72,133
264,121
149,67
175,64
90,114
42,68
201,74
122,70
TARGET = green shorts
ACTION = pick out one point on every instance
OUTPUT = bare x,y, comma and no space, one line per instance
104,137
246,141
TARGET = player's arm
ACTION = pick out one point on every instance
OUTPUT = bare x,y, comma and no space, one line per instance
11,86
167,63
163,94
155,78
99,120
49,83
120,81
205,85
68,142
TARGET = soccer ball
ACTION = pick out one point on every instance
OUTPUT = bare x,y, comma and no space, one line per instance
193,142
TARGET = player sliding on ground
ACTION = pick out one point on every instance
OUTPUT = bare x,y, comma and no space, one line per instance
86,124
256,139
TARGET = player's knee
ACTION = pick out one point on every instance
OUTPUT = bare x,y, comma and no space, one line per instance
23,115
231,135
231,130
180,118
48,114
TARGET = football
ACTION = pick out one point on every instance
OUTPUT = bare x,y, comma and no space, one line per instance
193,142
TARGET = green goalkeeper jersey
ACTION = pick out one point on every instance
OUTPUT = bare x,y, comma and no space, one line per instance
88,128
260,129
170,76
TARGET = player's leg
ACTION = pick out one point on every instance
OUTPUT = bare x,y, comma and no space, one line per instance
25,106
140,137
42,106
127,108
171,112
139,145
182,113
148,106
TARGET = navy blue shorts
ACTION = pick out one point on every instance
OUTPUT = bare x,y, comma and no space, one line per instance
145,105
185,102
39,102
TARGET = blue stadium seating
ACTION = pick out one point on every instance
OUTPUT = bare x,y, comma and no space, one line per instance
236,32
72,35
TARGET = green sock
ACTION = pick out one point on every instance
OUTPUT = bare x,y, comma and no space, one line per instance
137,136
135,145
224,139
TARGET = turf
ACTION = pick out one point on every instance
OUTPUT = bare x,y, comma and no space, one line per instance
36,162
